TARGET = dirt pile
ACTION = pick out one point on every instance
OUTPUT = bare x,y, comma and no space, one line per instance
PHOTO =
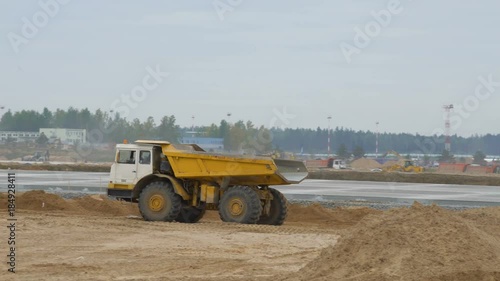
364,163
101,205
39,200
419,243
394,162
317,214
486,219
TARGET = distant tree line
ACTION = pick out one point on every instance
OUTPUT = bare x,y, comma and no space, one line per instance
315,141
240,136
101,126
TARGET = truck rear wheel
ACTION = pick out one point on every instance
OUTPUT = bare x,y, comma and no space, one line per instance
158,202
240,204
190,214
278,211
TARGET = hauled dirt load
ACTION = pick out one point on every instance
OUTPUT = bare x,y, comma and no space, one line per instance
365,164
419,243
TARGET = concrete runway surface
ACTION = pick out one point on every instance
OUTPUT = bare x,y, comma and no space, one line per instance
315,190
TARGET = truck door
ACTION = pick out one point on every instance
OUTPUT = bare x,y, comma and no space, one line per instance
126,166
144,167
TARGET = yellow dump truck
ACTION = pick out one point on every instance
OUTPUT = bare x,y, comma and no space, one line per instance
173,182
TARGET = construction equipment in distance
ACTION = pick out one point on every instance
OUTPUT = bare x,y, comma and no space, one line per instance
408,167
404,165
174,182
36,157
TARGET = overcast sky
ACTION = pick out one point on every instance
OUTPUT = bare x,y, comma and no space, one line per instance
259,60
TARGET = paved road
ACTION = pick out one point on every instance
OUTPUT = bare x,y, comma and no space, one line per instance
64,180
362,190
309,189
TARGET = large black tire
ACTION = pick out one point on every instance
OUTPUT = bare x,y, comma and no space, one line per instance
190,214
158,202
240,204
279,209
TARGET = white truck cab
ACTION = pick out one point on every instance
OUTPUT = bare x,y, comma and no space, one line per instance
132,163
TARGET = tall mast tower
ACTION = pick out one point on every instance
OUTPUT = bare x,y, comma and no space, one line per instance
329,135
447,125
376,141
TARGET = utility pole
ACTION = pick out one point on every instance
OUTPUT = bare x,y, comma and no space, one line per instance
376,141
329,135
192,127
447,125
1,111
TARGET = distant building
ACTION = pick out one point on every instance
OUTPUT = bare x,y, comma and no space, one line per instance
18,136
208,144
65,136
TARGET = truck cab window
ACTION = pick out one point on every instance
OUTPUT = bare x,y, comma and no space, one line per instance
126,157
145,157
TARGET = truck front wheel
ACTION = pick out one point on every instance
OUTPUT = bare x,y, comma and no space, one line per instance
158,202
240,204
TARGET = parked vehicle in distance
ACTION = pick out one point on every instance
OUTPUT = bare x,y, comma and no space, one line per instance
36,157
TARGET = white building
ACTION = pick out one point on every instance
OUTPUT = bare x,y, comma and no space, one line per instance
18,136
66,136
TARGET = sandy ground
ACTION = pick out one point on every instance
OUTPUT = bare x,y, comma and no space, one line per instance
59,246
93,238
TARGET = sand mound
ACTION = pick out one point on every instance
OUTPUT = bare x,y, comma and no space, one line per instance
363,163
101,205
3,201
39,200
419,243
394,162
486,219
318,214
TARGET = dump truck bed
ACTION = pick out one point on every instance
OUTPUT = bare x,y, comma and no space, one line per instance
191,162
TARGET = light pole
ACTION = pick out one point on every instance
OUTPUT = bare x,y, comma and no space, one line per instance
329,135
192,127
1,111
376,141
